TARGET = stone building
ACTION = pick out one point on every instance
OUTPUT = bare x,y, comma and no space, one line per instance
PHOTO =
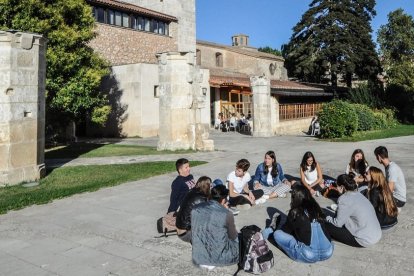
135,35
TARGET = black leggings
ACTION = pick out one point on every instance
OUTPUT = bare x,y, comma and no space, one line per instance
241,200
341,234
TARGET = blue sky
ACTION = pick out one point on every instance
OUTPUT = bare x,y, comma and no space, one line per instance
267,22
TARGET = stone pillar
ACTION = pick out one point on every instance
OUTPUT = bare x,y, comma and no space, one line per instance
261,106
22,107
181,100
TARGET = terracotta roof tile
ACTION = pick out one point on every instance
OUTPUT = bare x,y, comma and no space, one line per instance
292,85
132,8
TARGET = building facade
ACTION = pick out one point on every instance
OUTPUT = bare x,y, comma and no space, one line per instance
133,35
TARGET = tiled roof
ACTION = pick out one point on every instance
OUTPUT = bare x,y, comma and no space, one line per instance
132,8
292,85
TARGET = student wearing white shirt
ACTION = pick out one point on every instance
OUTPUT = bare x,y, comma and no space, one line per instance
311,174
240,195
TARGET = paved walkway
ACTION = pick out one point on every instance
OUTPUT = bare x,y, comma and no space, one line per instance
111,231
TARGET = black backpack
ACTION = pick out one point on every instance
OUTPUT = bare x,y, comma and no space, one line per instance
255,256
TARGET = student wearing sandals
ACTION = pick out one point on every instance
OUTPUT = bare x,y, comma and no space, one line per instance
240,195
380,196
355,223
269,177
303,237
311,174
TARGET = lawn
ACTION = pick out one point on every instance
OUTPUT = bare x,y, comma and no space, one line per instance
399,130
67,181
103,150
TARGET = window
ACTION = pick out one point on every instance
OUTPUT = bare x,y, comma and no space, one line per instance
198,57
219,59
100,15
161,29
125,20
133,21
154,26
118,18
156,91
146,24
111,17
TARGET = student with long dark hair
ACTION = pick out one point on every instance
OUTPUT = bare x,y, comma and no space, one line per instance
356,223
200,193
311,174
303,237
357,166
270,178
380,196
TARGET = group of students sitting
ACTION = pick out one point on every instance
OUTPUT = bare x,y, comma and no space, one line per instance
367,201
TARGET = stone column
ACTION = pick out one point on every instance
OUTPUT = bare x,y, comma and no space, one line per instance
261,106
181,100
22,107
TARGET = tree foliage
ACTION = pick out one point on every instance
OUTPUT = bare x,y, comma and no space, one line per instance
333,39
396,40
74,71
270,50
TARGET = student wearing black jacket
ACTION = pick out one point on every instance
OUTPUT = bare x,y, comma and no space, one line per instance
200,193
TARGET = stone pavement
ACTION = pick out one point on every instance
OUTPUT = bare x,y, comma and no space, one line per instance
111,231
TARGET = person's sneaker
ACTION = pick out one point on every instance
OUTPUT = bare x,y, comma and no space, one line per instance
282,196
209,267
317,193
234,211
243,207
265,197
273,222
260,201
399,209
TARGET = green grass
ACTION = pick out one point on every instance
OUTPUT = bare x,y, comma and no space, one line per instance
67,181
400,130
103,150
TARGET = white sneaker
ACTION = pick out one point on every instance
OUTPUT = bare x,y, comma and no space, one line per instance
282,196
234,211
209,267
265,197
399,209
317,193
260,201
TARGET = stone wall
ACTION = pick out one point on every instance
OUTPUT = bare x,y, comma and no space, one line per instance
293,127
243,63
122,46
22,107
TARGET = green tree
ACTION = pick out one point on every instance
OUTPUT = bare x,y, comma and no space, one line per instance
396,40
74,71
333,39
270,50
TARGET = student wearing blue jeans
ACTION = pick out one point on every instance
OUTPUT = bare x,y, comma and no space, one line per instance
303,237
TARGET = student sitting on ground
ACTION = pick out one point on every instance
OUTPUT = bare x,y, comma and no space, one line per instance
357,166
303,237
240,195
200,193
356,223
214,235
181,185
394,176
270,178
311,174
380,196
